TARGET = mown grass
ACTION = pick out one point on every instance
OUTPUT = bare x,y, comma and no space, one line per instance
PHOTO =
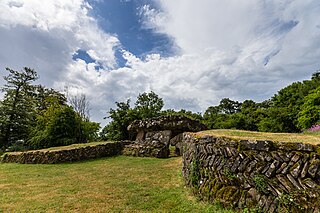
117,184
306,137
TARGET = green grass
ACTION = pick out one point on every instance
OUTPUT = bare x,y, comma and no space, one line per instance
307,137
117,184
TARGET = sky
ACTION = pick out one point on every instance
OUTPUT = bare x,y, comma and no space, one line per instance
191,53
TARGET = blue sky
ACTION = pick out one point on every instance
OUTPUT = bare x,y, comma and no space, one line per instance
191,53
123,19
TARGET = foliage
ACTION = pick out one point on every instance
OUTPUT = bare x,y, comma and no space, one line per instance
36,116
148,105
260,183
183,112
121,117
56,127
310,110
17,114
293,108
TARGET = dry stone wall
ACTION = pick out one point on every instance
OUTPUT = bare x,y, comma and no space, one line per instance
261,175
155,144
65,155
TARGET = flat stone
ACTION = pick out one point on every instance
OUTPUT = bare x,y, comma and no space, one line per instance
294,182
284,157
274,189
285,182
295,158
304,170
310,183
276,156
286,170
236,164
176,123
272,169
296,169
251,166
281,168
302,184
259,145
314,164
244,164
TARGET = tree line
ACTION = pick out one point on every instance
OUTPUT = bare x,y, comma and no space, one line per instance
292,109
33,116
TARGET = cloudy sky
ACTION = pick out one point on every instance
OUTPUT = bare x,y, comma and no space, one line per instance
191,53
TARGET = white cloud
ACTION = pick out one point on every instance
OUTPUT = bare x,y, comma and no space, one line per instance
243,42
45,34
244,50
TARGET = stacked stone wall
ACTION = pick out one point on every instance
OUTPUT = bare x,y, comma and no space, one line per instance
155,144
65,155
261,175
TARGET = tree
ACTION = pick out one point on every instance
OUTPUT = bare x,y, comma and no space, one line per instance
45,97
58,124
229,106
148,105
310,110
183,112
80,104
55,127
17,114
121,117
287,104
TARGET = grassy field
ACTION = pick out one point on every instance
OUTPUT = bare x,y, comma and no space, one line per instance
307,137
117,184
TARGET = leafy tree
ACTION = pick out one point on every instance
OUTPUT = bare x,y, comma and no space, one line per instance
58,124
45,97
148,105
287,104
17,114
183,112
228,106
211,116
55,127
121,117
310,110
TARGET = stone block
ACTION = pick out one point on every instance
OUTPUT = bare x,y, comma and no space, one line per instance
296,169
314,165
272,169
258,145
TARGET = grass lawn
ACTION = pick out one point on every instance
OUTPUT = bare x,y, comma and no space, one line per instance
117,184
307,137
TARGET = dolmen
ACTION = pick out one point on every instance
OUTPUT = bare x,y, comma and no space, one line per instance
154,136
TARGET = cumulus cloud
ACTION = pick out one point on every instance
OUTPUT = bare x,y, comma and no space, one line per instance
45,36
244,50
247,49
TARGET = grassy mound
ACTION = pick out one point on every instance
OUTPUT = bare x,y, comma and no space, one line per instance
116,184
311,138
